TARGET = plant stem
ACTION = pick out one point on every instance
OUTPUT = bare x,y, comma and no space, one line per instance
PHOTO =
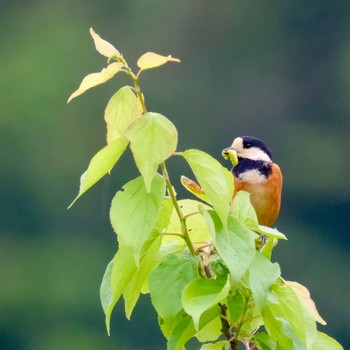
171,192
139,94
185,235
226,328
135,79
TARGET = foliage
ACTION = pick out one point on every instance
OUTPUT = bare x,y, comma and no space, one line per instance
204,262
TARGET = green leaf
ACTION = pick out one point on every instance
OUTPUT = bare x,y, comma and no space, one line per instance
165,215
243,210
140,277
266,249
158,231
167,282
167,325
184,329
101,164
235,244
211,331
153,138
202,294
264,341
217,346
305,299
123,276
182,332
287,321
236,304
98,78
252,320
152,60
135,211
216,181
269,231
196,225
103,46
262,275
325,342
121,111
117,276
106,292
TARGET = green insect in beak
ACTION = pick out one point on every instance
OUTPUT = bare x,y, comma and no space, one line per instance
231,154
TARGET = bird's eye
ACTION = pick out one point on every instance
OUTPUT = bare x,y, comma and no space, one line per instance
247,145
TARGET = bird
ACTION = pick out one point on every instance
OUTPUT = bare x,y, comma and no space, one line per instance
255,172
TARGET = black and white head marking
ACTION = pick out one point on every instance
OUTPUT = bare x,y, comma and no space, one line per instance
254,160
251,148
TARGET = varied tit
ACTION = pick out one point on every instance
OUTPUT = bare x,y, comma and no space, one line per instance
255,172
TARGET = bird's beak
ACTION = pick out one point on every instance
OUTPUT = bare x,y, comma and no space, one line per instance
231,154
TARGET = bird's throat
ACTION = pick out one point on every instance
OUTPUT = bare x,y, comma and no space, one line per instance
252,171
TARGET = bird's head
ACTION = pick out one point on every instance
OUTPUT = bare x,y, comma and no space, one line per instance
247,147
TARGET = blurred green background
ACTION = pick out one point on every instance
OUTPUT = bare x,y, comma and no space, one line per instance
279,70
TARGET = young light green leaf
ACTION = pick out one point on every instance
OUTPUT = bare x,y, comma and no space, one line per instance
235,244
262,275
265,342
153,138
182,332
157,233
103,46
148,262
212,330
106,292
252,320
95,79
121,111
116,278
152,60
267,247
165,215
325,342
279,328
217,346
304,297
123,276
268,231
101,164
196,225
236,303
242,209
135,211
216,181
167,282
287,321
210,325
202,294
184,329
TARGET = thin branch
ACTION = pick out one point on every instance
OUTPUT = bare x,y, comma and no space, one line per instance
172,234
191,214
227,329
172,194
135,79
246,344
